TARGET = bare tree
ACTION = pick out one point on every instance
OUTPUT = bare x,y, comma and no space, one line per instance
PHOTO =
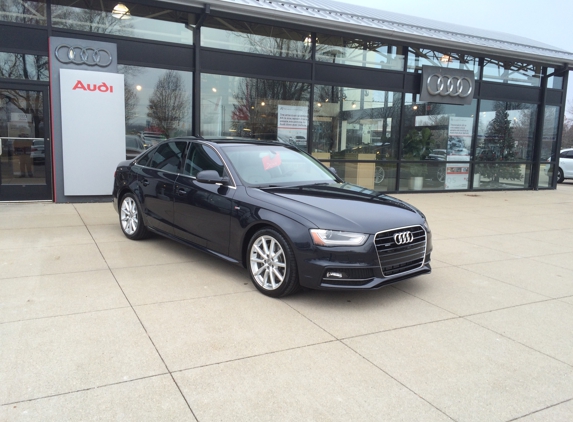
87,16
169,103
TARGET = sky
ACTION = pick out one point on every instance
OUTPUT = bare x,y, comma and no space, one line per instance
546,21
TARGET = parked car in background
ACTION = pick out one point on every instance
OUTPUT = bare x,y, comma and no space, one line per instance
565,166
133,146
273,209
37,152
151,138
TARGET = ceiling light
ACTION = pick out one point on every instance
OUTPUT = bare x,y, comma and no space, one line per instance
120,11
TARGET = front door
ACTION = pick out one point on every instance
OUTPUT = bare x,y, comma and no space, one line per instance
25,156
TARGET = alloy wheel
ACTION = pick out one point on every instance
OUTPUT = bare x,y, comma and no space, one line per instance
129,216
268,262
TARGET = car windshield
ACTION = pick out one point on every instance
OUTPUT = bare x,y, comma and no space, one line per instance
275,165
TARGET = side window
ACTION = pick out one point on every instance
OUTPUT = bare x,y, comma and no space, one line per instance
168,156
144,159
569,154
202,157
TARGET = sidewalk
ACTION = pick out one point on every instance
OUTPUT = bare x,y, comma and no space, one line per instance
96,327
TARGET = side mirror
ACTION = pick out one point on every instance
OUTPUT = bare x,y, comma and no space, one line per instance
333,171
211,176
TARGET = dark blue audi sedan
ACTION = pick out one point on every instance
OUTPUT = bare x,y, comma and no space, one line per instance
273,209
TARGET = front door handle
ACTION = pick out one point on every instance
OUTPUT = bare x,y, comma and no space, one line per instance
145,182
181,192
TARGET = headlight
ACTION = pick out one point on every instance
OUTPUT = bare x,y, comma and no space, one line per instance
323,237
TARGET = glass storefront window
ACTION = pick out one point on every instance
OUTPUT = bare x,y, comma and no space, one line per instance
418,57
512,72
24,66
549,145
352,123
502,176
545,175
23,11
434,176
550,130
357,125
554,82
255,38
157,105
22,138
439,137
356,52
255,108
125,19
506,132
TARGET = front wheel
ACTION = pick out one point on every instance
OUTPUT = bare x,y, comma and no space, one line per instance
130,218
271,264
560,176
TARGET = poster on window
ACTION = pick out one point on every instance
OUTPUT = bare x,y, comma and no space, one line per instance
460,131
292,125
460,135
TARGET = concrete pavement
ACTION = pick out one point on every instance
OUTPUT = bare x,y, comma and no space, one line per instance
94,327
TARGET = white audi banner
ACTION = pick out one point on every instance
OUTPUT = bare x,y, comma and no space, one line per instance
93,130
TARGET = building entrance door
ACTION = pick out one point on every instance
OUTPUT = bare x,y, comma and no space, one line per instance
25,156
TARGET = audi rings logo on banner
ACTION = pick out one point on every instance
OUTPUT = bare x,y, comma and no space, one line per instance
83,55
403,238
446,85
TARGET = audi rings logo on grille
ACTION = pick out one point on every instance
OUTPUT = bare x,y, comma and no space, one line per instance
446,85
403,238
83,55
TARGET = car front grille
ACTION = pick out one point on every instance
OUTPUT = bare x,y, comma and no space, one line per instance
400,258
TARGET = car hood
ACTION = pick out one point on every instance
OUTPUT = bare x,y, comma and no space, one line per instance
342,206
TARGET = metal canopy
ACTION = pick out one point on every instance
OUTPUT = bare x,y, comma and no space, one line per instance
359,20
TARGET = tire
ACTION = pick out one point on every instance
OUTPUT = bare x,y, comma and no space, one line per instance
560,176
271,264
379,175
441,174
131,218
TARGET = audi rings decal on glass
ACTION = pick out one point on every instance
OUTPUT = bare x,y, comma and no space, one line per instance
453,86
83,55
403,237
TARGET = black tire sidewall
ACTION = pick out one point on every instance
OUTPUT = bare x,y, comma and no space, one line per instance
560,177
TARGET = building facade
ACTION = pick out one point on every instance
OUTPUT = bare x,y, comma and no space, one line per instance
392,105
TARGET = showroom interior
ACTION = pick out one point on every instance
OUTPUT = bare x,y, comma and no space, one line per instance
341,82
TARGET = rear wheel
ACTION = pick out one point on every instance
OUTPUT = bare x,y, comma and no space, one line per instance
130,218
560,176
271,264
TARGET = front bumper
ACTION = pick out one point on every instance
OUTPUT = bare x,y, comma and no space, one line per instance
356,268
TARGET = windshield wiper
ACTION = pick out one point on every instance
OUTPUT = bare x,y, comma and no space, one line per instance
311,184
